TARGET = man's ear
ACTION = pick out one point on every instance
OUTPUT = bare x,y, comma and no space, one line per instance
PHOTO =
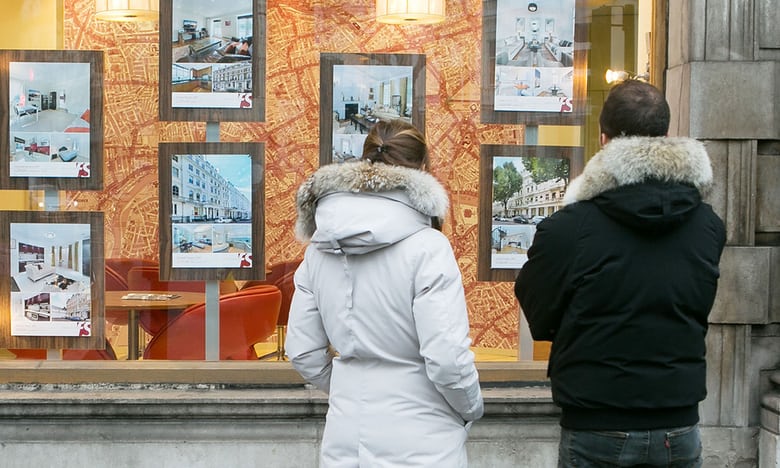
603,139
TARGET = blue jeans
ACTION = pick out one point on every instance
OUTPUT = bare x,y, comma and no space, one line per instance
673,448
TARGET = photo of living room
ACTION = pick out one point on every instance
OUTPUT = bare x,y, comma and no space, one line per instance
362,96
212,48
51,287
50,118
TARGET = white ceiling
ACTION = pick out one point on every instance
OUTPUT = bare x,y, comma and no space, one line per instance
210,8
50,72
48,234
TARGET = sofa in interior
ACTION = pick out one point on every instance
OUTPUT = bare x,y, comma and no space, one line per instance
37,271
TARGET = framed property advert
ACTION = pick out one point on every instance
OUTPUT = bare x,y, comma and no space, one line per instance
519,187
51,280
211,211
53,119
358,90
534,62
212,60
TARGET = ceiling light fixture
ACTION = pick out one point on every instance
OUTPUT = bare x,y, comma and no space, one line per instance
127,10
410,11
532,7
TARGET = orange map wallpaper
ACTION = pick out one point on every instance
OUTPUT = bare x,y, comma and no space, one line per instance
297,32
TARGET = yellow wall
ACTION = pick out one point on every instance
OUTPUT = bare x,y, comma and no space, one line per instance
559,135
31,24
28,24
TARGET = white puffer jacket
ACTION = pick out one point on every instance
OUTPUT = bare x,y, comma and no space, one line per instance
379,320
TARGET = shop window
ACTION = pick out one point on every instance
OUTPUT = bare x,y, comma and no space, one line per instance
619,37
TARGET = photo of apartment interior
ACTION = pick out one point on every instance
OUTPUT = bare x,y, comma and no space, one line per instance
38,308
49,147
191,78
50,258
45,307
49,97
539,38
362,96
233,238
201,35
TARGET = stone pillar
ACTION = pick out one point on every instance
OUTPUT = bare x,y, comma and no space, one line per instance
723,85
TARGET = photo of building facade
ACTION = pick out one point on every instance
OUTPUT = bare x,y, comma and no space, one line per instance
201,193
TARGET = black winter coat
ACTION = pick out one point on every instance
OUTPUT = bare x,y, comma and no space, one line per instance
622,280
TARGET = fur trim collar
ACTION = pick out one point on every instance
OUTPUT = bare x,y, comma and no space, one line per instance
425,193
631,160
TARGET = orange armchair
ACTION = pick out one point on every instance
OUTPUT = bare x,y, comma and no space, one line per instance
282,276
246,317
122,265
114,281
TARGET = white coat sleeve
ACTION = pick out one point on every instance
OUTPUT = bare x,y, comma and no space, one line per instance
307,344
441,320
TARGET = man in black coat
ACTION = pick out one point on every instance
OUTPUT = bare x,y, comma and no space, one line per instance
622,280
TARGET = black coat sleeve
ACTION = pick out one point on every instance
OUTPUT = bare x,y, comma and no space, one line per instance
543,286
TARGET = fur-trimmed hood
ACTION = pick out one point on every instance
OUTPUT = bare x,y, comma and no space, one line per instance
360,206
632,160
651,184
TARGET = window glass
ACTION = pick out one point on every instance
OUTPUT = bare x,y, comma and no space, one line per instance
619,37
244,26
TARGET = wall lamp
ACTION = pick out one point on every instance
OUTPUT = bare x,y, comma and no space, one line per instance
532,7
410,11
127,10
616,76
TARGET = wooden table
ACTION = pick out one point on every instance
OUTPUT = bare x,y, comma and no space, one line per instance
362,123
113,300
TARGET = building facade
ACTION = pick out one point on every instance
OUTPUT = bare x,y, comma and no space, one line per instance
721,75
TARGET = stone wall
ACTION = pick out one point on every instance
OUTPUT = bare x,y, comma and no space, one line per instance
205,426
723,83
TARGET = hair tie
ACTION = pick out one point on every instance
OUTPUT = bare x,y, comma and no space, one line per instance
381,149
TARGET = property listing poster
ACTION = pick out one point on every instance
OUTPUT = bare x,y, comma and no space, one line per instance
212,49
526,190
51,286
211,217
534,56
49,119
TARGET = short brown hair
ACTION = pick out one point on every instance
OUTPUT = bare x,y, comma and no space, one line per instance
398,143
634,108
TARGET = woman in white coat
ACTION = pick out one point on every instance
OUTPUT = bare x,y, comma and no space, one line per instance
378,319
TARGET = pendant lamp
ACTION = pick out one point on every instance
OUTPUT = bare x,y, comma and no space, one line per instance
410,11
127,10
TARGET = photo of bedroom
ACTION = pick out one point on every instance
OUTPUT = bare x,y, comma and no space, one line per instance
362,96
51,287
212,47
50,118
